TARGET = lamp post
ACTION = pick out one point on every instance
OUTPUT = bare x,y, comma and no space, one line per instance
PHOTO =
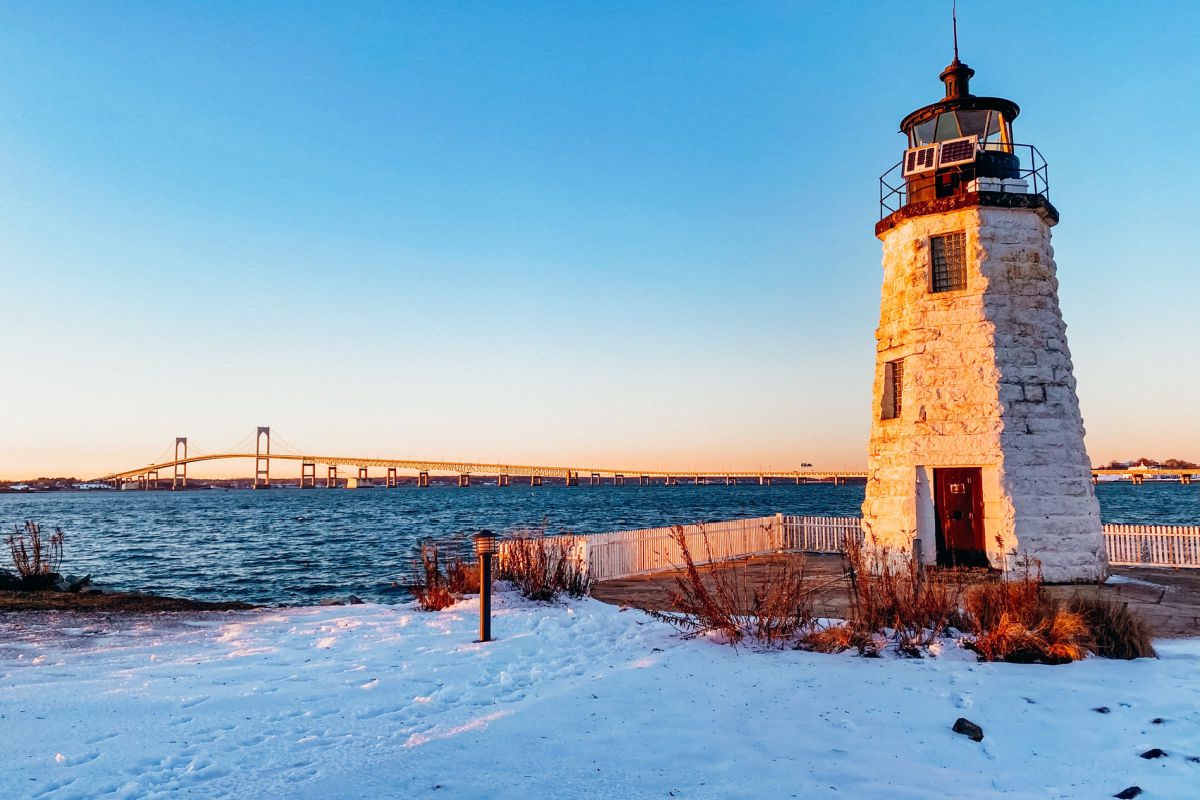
485,548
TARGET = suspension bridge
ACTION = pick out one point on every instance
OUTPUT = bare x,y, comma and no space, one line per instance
174,470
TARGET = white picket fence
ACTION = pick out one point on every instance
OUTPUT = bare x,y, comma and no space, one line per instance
1153,545
622,554
820,534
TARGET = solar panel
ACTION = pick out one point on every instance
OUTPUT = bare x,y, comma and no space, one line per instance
920,159
957,151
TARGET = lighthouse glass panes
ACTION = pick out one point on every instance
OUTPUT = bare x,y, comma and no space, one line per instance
949,256
989,126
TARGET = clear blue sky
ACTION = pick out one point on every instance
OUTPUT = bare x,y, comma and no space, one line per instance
626,233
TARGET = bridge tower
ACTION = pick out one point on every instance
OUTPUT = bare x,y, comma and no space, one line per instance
179,480
976,448
262,458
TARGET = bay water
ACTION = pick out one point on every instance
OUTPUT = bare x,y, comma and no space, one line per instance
291,546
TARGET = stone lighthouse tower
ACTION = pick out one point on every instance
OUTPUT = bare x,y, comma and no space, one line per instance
976,449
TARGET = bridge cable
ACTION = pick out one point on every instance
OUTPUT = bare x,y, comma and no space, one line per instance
287,446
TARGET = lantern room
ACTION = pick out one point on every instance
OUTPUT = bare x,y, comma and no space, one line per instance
962,145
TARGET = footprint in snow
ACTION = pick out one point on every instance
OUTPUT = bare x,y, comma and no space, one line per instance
192,702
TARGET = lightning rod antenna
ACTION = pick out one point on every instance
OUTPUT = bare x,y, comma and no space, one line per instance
954,22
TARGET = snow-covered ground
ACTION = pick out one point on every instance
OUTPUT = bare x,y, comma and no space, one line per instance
579,700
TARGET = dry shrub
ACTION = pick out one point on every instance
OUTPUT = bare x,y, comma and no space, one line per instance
35,557
1014,620
544,567
892,591
1117,631
771,611
461,577
839,639
1018,599
432,588
1057,636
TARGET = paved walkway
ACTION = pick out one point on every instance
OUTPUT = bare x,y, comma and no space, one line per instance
1168,599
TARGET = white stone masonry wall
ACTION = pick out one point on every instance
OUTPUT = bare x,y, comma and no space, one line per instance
987,383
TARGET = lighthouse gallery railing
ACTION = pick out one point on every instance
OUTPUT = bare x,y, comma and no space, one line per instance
893,188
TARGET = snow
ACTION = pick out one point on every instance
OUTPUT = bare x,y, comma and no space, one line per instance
576,700
1123,580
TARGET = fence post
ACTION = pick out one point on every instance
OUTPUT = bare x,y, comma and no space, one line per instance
780,535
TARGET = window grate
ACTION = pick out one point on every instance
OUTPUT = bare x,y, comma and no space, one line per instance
893,383
949,262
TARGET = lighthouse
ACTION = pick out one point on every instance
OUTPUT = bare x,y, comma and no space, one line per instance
976,456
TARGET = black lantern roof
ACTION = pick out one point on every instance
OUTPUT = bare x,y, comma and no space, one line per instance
957,77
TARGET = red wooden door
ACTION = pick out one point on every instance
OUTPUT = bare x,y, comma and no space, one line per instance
958,498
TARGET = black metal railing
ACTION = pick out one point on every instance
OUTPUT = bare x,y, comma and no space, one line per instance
1031,168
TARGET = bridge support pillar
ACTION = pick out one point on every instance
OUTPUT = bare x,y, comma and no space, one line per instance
643,480
308,475
390,481
1185,479
730,480
152,479
422,480
262,458
618,480
464,479
1137,480
535,480
502,480
363,478
1095,479
671,480
572,478
594,479
179,480
331,478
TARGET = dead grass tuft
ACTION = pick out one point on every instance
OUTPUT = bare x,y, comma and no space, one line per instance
432,588
544,567
1014,620
839,639
890,591
33,556
771,611
1117,631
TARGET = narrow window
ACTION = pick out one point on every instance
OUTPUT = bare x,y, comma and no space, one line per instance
893,384
949,262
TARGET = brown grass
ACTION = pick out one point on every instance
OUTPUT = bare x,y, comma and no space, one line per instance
771,611
1014,620
1117,631
432,588
891,591
461,577
544,567
839,639
33,556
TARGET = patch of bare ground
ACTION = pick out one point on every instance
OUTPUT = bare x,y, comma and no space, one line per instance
107,601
